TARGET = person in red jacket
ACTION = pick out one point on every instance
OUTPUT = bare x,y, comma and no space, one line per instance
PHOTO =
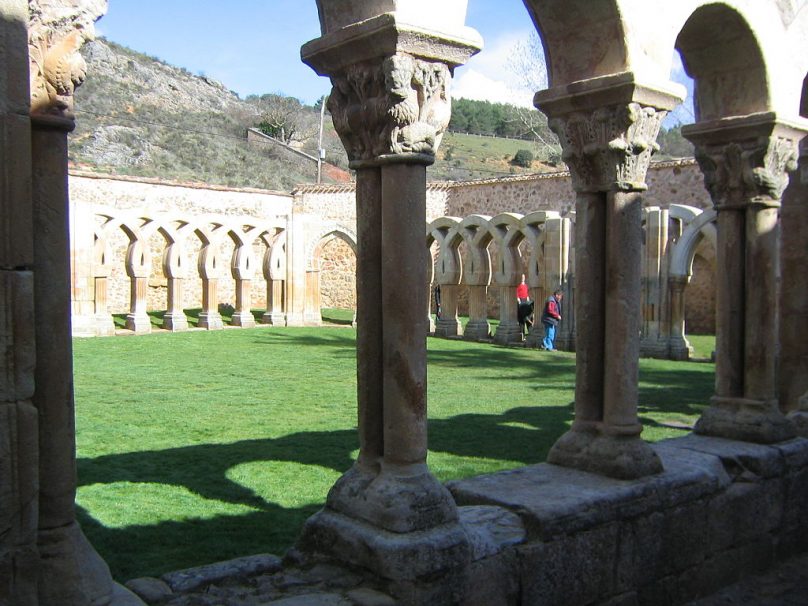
550,317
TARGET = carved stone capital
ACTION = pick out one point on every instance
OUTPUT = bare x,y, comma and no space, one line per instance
390,74
608,128
57,30
393,110
745,160
610,148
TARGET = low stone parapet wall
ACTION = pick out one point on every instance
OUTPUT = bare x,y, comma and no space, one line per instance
720,511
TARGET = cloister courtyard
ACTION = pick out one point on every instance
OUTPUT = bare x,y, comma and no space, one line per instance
231,439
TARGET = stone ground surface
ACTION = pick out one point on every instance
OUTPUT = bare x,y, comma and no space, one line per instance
784,585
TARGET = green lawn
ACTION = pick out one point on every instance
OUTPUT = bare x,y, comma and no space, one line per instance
202,446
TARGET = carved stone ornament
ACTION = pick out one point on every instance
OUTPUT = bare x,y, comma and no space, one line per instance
57,30
753,170
391,111
609,149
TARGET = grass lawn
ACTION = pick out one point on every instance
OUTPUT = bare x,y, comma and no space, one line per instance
202,446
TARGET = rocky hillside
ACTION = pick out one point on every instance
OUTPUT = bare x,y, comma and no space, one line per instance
139,116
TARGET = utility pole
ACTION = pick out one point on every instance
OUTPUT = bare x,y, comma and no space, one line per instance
320,150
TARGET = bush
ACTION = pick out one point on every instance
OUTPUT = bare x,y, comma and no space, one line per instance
523,158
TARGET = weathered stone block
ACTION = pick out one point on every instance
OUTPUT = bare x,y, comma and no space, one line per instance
738,458
685,537
16,228
624,599
18,577
577,569
493,581
17,339
490,529
727,567
640,551
745,512
190,579
15,93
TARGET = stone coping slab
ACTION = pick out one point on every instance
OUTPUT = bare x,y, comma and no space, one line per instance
554,501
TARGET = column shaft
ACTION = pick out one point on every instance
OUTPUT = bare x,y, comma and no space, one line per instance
590,227
729,303
621,351
762,232
405,328
71,573
369,316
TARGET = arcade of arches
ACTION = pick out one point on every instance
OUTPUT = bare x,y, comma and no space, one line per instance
609,518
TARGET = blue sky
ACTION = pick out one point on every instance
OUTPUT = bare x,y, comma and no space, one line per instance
253,46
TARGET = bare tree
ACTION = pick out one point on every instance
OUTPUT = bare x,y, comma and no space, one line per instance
527,63
284,118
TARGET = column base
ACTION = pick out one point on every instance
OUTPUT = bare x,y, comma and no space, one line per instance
565,341
745,420
71,573
681,349
508,333
83,326
104,325
607,451
477,330
138,323
175,322
313,319
396,502
245,319
535,335
210,320
398,526
294,319
332,536
448,328
799,417
274,319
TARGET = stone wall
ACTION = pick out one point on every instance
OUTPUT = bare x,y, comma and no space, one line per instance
674,182
720,511
338,275
136,201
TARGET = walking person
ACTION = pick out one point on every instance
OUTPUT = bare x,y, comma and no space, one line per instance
550,318
524,308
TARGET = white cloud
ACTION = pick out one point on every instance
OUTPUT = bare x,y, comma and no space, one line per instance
491,75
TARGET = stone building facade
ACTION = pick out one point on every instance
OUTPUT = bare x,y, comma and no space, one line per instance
158,215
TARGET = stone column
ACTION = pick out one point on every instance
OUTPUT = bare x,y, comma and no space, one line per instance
104,324
744,161
173,267
312,315
680,348
607,128
19,443
243,270
209,317
477,276
448,325
295,272
275,274
794,297
82,293
390,105
70,572
478,327
506,277
655,330
138,268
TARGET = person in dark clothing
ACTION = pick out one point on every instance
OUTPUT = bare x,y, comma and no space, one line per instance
524,313
550,318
